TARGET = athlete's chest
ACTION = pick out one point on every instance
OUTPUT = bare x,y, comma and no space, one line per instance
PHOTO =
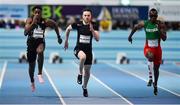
38,32
84,34
151,28
85,30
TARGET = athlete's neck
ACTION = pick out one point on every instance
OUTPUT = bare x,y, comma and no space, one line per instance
85,23
153,21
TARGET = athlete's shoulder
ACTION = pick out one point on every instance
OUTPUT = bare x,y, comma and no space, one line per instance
29,20
94,23
160,22
145,21
47,20
44,19
79,23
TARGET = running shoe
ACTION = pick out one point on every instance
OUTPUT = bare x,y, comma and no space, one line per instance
32,87
155,90
149,82
85,92
79,79
40,79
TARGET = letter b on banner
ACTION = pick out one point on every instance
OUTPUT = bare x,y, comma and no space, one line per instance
46,12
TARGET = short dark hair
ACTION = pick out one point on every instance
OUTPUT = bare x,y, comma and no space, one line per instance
37,7
87,9
153,9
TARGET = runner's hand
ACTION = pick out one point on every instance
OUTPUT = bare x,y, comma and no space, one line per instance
60,40
35,18
130,39
66,45
91,27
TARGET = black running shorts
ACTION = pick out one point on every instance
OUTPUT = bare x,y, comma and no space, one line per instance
89,55
32,45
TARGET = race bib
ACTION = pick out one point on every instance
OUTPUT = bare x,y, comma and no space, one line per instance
84,39
38,33
153,43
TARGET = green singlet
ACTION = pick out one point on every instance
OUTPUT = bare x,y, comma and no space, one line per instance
151,30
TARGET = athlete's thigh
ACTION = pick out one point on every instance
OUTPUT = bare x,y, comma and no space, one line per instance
148,52
40,48
31,50
81,54
89,58
158,56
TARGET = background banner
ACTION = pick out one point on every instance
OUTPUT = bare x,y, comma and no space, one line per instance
13,11
168,13
116,12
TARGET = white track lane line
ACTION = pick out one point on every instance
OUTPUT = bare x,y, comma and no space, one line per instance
3,72
133,74
108,87
54,87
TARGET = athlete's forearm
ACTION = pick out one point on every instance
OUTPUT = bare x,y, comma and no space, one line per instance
67,34
52,24
95,35
57,32
162,30
135,28
163,35
132,32
29,28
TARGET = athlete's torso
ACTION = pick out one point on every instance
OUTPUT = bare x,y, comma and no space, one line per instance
39,30
84,38
152,34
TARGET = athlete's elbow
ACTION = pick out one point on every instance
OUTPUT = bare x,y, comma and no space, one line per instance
97,39
164,39
67,30
25,32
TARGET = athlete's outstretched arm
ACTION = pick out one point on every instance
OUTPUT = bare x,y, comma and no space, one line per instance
68,29
162,29
135,28
30,25
52,24
94,32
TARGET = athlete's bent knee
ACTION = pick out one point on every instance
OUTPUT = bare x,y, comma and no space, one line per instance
150,56
82,55
40,48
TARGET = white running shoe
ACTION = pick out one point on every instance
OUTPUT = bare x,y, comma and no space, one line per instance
32,87
40,79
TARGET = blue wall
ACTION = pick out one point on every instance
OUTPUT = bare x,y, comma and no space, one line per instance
12,42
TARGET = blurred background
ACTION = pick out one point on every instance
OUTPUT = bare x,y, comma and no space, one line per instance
119,75
114,17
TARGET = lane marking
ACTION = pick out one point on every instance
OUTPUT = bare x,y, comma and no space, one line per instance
106,86
133,74
3,73
170,73
54,87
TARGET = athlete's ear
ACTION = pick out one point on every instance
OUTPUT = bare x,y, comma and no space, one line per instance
82,17
91,18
